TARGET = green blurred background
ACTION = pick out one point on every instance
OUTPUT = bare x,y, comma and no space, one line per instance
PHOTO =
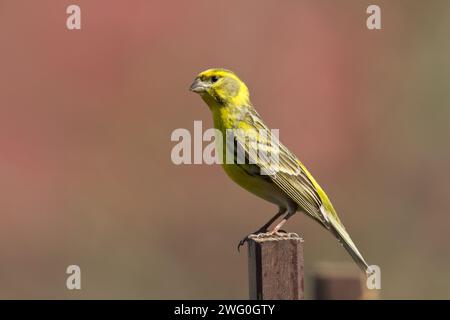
86,116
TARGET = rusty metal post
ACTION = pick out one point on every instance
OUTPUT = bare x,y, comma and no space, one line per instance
275,267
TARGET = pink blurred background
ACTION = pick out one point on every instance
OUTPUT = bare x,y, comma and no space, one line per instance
86,117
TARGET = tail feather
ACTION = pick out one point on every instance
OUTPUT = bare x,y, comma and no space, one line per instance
339,231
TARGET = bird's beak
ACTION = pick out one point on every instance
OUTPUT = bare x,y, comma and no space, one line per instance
198,86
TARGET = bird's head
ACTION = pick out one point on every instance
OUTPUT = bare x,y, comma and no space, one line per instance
221,87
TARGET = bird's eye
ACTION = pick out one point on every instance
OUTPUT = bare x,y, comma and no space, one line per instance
214,79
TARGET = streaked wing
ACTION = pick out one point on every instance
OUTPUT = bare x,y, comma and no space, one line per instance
283,167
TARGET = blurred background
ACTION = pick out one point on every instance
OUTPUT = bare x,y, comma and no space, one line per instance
86,117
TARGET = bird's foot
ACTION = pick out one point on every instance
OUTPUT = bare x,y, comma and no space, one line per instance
277,231
275,235
261,236
243,241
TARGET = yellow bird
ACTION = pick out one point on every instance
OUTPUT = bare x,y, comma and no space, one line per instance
285,182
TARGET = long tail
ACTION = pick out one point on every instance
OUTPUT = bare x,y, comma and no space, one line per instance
338,230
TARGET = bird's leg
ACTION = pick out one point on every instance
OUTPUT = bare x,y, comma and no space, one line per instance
276,230
264,227
272,220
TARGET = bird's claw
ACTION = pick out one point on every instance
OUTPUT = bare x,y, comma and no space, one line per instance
241,243
279,233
